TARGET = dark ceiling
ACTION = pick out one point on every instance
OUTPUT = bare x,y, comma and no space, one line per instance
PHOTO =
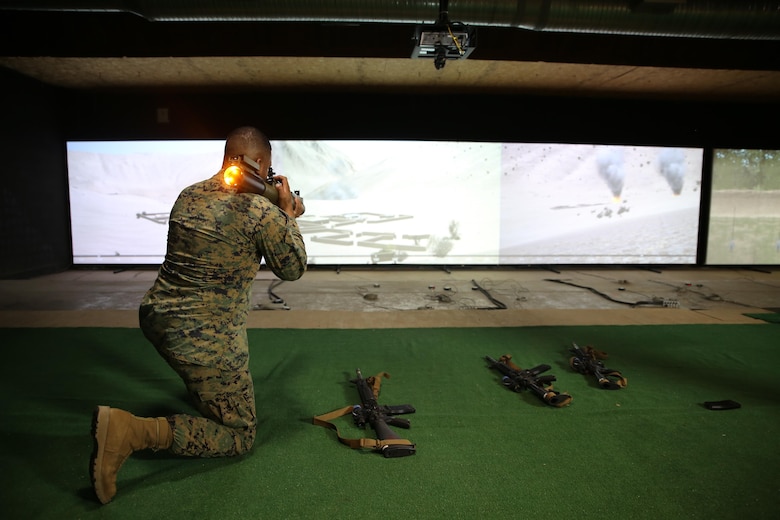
87,50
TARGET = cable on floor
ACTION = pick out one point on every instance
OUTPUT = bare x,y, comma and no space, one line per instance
274,297
654,301
498,304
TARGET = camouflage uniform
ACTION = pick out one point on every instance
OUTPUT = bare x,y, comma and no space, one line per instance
195,313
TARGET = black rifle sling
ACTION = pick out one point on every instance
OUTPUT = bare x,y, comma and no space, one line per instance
324,420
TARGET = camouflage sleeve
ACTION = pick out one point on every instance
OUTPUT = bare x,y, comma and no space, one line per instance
282,246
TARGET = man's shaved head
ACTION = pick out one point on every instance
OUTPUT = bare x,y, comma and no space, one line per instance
247,140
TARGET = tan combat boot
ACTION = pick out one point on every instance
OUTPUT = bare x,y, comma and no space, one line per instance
117,434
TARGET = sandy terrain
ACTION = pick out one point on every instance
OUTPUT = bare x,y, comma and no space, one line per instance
418,202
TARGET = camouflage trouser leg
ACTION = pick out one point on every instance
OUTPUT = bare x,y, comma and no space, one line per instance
227,401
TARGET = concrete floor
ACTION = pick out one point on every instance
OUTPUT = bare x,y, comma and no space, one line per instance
386,290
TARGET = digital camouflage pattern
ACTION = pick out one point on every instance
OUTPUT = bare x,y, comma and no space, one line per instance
226,399
195,313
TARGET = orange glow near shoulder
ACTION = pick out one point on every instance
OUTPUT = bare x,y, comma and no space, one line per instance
231,175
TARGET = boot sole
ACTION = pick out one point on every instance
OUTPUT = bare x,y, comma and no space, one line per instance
100,420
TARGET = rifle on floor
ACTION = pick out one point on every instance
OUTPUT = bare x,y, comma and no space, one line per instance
379,417
588,361
517,380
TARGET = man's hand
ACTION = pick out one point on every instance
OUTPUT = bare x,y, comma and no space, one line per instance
299,207
285,203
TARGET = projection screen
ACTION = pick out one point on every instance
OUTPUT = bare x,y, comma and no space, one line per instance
744,224
412,202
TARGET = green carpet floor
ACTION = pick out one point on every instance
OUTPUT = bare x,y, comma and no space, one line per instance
650,450
771,317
